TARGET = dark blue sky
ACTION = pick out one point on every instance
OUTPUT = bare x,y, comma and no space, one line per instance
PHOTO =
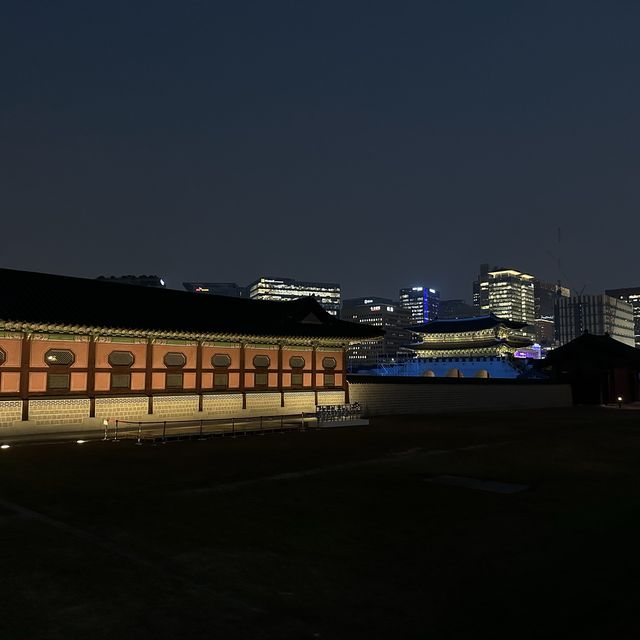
377,144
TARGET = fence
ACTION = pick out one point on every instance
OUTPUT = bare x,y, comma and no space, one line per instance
166,430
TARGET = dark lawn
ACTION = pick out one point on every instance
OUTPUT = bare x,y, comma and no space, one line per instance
330,534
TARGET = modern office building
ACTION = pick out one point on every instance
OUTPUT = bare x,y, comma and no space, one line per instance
481,290
422,303
511,295
452,309
82,351
545,296
597,314
140,281
632,296
383,314
229,289
286,289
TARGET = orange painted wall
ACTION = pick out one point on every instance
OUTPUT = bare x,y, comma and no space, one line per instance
286,379
40,347
103,381
207,380
189,380
13,349
103,349
9,382
38,381
307,379
158,380
234,380
137,381
78,382
273,380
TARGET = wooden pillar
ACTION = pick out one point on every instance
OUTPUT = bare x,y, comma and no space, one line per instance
91,376
280,375
242,367
148,378
25,356
345,384
314,373
199,374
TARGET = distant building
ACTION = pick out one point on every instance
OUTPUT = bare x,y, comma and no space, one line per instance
422,303
632,296
140,281
379,313
545,296
481,289
597,314
511,295
452,309
229,289
285,289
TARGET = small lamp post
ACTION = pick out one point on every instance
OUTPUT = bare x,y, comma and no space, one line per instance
619,402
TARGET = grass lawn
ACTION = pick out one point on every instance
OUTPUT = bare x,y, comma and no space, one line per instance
330,534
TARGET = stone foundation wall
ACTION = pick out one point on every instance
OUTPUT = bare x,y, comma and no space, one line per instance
64,410
222,405
331,397
429,396
302,401
10,412
175,407
129,408
265,403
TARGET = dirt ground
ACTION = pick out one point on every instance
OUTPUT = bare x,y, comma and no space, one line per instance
338,533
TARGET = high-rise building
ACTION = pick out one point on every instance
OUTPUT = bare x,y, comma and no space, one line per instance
380,313
481,290
452,309
229,289
545,296
283,289
510,295
597,314
140,281
632,296
422,303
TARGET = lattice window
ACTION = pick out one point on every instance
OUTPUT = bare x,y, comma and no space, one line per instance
329,363
121,381
175,359
329,380
221,360
3,356
221,380
261,362
58,381
59,357
121,358
174,381
296,362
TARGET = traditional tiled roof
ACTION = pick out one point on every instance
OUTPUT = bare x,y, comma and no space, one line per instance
463,325
29,298
591,351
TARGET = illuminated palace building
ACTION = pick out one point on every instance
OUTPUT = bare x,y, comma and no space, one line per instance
78,351
482,346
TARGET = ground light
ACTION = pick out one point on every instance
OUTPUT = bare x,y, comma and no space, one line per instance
620,402
4,446
80,441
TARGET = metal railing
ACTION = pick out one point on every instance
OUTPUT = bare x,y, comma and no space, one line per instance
153,431
188,429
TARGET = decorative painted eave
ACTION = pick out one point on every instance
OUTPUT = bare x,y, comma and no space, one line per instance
29,327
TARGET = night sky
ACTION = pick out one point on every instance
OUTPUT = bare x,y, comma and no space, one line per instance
375,144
